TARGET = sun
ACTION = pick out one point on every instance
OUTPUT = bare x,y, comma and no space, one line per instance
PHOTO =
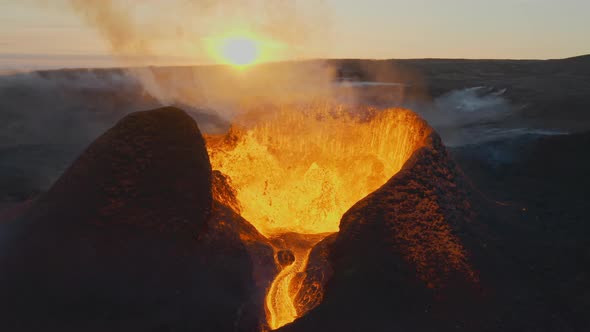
239,51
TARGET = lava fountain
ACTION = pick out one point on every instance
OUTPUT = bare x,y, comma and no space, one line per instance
297,169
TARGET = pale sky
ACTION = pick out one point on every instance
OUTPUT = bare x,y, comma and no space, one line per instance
44,32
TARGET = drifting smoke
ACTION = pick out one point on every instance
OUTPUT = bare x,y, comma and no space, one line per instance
467,116
49,117
59,107
136,40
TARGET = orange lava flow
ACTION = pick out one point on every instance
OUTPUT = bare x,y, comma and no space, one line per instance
298,169
280,298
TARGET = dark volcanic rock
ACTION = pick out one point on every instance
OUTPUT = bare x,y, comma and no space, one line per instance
223,191
228,218
285,257
536,209
239,256
317,273
399,261
127,240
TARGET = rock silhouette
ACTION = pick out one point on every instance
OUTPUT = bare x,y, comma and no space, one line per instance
129,239
398,261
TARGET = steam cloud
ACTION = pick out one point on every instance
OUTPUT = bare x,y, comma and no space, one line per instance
135,40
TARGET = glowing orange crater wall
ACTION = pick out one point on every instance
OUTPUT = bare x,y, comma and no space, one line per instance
299,169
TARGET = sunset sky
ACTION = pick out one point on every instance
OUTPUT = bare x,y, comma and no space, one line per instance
56,34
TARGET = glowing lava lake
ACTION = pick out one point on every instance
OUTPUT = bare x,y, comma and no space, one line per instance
298,169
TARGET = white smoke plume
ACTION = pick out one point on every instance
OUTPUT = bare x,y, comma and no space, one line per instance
133,37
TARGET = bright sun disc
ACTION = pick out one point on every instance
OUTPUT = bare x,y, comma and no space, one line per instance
239,51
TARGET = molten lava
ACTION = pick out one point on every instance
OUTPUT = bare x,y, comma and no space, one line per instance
298,169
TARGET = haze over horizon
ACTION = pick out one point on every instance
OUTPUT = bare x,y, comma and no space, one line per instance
42,34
